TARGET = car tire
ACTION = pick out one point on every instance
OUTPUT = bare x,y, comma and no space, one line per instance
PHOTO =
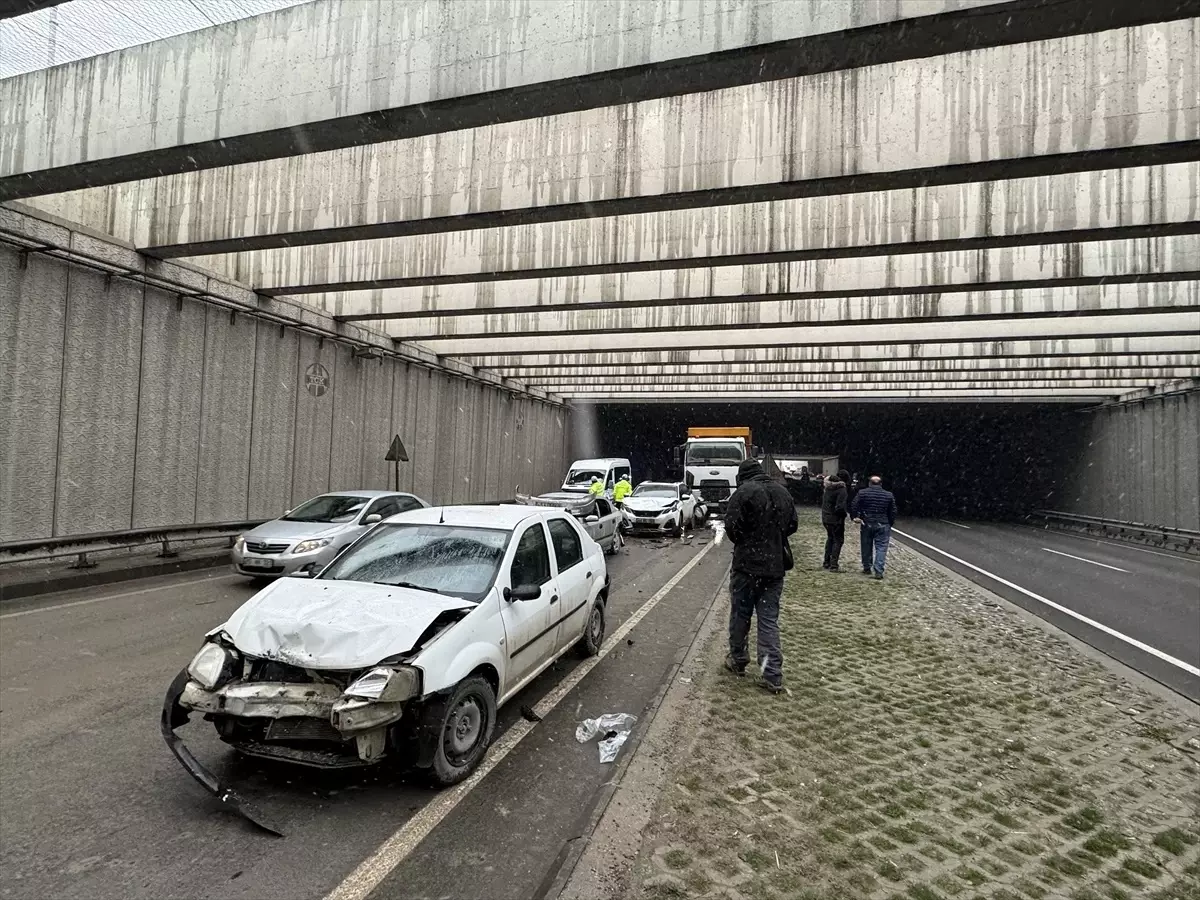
617,543
593,632
698,518
677,530
466,722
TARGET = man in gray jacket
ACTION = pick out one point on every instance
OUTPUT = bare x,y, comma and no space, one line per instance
759,519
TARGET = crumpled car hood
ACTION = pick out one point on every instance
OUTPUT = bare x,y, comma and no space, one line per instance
326,624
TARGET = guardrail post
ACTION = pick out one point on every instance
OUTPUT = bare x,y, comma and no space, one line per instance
167,552
82,562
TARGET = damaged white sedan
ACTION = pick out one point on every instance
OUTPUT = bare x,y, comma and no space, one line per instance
403,647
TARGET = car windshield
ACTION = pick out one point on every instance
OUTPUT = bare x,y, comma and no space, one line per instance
583,476
655,490
447,559
726,453
329,508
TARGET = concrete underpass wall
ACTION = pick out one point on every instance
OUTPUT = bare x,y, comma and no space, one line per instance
1140,462
122,406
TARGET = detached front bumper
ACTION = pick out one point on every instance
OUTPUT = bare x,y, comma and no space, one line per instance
312,724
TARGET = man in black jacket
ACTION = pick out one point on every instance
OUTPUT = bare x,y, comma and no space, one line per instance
759,519
833,517
875,510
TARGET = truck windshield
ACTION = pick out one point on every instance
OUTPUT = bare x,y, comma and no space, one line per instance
722,454
583,476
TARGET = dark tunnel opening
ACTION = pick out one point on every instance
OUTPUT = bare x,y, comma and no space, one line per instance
971,460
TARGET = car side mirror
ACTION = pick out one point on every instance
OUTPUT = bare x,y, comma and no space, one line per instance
677,456
592,519
372,519
524,592
685,497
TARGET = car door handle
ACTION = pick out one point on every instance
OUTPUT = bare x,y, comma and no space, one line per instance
589,575
554,598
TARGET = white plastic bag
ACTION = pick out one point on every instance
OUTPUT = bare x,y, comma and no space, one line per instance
620,723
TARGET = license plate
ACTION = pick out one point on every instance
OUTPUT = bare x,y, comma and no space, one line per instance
644,521
250,562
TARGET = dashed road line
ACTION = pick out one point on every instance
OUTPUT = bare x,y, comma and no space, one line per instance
1084,559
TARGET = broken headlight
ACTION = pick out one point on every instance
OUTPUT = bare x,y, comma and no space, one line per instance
211,666
388,685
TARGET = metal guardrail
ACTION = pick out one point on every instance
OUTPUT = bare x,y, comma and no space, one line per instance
80,545
1165,535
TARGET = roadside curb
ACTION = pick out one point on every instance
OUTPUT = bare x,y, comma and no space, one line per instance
54,584
565,867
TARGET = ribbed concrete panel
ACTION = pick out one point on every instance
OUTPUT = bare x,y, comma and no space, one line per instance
223,478
404,418
100,405
377,428
32,319
272,447
425,444
960,109
333,72
964,353
1157,438
1151,297
506,443
445,446
999,330
1118,380
1034,209
464,443
349,420
168,431
318,362
1169,367
1031,267
489,446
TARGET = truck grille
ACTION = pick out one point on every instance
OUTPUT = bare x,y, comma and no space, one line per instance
715,490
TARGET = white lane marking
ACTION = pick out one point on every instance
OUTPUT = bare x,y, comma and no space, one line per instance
1100,626
1092,539
372,870
150,590
955,524
1081,559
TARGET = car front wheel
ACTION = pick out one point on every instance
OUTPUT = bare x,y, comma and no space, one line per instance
468,718
593,634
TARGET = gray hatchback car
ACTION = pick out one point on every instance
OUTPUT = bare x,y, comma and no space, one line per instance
315,531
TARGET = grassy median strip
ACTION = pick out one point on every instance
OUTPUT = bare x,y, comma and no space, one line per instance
932,745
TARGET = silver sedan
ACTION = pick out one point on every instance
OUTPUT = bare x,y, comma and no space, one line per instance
315,532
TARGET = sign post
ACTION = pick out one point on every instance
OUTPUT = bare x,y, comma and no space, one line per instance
396,454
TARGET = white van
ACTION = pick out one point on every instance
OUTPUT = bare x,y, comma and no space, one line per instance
579,476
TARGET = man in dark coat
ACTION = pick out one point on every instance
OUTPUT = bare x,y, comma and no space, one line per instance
833,517
875,510
759,519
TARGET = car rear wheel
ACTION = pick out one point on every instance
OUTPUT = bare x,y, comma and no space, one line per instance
593,634
468,718
677,529
699,517
618,542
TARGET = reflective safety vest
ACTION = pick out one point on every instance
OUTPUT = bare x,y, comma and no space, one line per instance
596,488
622,490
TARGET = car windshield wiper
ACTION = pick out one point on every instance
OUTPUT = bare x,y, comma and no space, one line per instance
409,584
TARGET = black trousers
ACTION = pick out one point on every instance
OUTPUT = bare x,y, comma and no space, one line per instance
835,536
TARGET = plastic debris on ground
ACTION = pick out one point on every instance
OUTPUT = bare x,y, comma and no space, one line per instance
614,726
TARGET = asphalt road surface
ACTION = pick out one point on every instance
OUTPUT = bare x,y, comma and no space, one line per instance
1139,595
95,806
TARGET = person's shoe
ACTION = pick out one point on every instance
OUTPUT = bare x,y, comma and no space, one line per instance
879,576
866,571
731,666
771,687
825,565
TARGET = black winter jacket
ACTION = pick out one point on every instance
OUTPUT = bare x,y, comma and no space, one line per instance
875,506
759,519
833,503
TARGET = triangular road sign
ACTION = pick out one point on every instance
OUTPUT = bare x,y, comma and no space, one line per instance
396,453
